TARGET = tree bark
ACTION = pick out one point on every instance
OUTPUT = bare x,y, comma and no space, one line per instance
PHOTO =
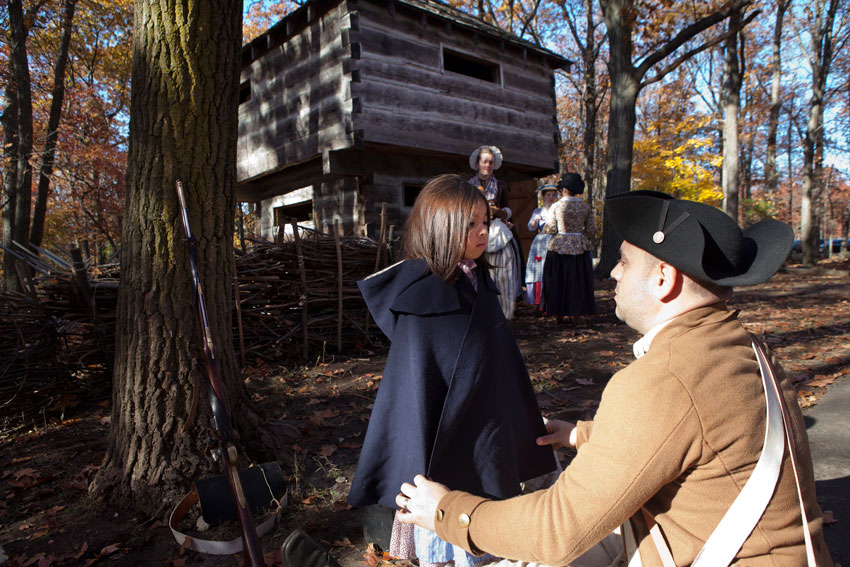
49,153
771,179
589,97
821,57
183,125
22,192
10,184
621,121
731,100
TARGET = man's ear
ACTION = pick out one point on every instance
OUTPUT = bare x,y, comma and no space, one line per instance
669,282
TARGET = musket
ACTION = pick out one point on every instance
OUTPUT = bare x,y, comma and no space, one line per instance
221,423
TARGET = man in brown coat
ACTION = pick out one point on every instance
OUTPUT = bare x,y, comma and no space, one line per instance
678,433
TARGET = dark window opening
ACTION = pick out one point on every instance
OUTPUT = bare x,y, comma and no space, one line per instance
245,92
470,66
411,191
299,211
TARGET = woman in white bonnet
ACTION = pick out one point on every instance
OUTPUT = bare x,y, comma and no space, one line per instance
505,257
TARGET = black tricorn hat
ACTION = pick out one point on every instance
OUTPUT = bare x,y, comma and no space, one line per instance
702,241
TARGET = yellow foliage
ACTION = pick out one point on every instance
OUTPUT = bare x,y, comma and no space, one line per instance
677,159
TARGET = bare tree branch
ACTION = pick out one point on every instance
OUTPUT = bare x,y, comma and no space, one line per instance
688,33
684,57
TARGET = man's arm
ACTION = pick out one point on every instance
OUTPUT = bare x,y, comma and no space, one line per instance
635,450
418,501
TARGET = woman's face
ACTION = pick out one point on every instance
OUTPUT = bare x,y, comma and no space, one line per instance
485,164
479,232
549,197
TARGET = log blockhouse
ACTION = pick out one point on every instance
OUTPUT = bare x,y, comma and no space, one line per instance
348,104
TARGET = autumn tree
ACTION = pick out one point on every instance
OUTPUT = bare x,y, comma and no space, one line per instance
673,149
17,129
78,67
770,175
821,33
629,77
48,153
183,125
589,42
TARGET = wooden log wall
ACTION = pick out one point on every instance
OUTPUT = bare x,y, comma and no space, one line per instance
406,99
300,97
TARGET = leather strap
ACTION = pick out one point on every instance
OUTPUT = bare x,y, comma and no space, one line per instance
744,513
742,516
764,362
209,546
658,539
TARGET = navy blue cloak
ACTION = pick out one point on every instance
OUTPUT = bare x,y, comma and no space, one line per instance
455,402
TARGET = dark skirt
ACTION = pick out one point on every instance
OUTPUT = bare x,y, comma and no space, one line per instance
568,284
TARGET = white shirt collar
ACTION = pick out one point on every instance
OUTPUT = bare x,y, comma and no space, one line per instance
641,346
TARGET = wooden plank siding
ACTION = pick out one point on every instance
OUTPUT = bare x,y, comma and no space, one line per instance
406,98
300,101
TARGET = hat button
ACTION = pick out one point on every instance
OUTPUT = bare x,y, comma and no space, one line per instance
658,237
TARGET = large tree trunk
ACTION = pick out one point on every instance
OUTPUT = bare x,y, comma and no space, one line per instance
183,126
770,175
731,100
47,156
621,121
821,33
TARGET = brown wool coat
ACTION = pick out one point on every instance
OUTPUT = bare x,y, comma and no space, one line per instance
678,431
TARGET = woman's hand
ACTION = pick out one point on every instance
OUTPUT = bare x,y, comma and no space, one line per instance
419,501
560,434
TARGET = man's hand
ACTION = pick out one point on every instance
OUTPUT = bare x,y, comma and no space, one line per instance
560,434
419,501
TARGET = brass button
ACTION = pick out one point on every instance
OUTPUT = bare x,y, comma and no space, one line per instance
440,515
463,520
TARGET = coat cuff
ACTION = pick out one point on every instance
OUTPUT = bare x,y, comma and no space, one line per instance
455,517
583,431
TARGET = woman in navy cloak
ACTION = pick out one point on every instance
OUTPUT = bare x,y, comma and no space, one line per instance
455,402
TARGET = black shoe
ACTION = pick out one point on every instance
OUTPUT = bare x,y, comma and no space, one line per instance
300,550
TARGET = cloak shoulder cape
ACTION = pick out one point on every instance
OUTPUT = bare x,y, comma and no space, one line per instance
455,402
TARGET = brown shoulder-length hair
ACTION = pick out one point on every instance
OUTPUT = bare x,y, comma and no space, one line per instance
438,225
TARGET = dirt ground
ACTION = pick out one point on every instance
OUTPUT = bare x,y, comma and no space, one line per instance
47,519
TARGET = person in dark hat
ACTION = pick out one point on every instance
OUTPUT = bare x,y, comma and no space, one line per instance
698,450
568,271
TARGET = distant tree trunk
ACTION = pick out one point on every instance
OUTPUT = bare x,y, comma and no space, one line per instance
789,155
821,57
183,125
590,95
589,51
731,101
10,184
47,156
770,176
22,191
626,83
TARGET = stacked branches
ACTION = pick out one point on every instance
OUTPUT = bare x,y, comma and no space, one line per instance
272,297
32,380
58,344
